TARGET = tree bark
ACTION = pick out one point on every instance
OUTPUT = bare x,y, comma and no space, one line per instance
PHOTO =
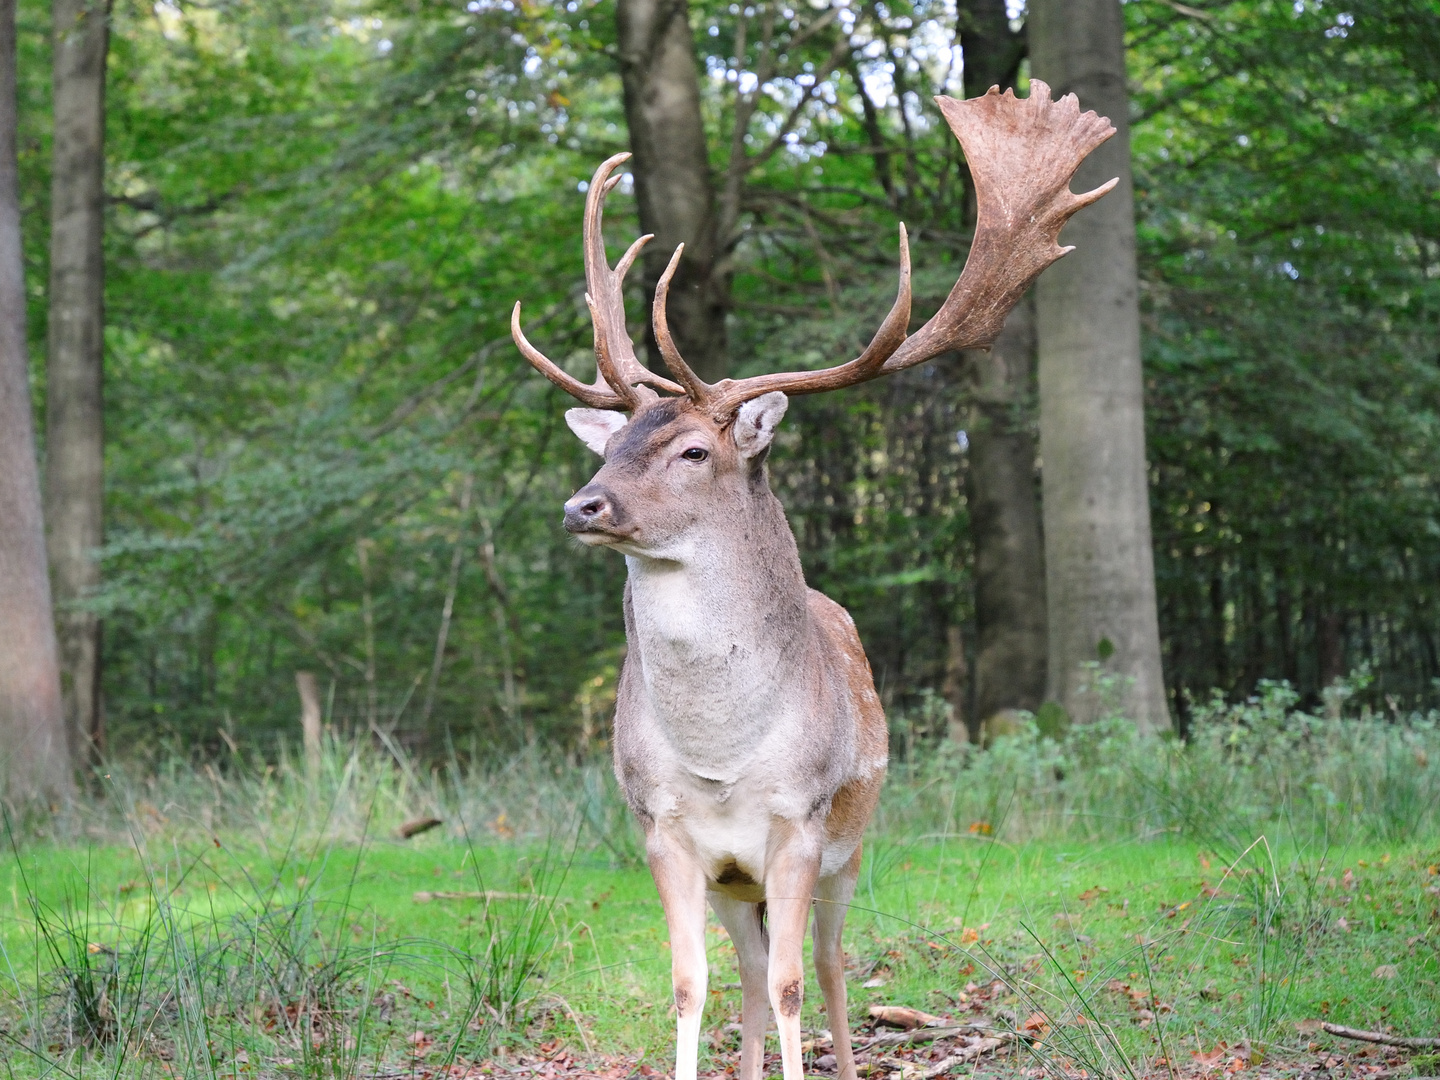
34,753
1010,661
992,51
74,422
1100,577
671,166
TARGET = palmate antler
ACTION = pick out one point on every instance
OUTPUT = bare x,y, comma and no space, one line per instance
1022,154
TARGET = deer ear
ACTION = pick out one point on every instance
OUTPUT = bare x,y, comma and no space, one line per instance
595,426
756,422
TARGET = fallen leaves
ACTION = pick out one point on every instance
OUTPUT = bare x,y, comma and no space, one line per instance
1144,1006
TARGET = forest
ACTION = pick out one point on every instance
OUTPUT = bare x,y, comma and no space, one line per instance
311,675
322,452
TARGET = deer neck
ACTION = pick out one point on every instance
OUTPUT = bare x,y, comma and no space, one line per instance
721,633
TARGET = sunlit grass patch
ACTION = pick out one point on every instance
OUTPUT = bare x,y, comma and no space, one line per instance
1109,905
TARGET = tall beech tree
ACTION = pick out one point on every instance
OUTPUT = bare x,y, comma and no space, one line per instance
673,188
34,754
1099,563
1010,661
74,421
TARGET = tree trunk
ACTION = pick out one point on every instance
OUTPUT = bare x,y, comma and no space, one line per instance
34,754
1010,668
661,80
992,50
1100,577
74,422
1000,482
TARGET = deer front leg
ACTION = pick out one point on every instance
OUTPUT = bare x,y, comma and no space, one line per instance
789,888
745,923
832,899
681,882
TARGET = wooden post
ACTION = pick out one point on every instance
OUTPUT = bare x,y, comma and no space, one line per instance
956,672
309,721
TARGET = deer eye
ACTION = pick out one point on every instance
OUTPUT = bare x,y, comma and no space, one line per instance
695,453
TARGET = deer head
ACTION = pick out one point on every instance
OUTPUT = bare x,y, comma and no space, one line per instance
681,458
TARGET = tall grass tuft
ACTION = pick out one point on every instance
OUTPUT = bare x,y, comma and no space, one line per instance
220,954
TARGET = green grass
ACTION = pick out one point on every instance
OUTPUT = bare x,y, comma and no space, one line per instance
1133,900
1211,956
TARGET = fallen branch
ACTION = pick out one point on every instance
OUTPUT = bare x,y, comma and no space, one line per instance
418,826
974,1050
920,1035
1410,1042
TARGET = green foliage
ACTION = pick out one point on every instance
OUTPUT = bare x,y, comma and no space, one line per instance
322,213
1255,767
1288,199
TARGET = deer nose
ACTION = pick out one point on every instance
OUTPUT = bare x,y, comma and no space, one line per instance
587,509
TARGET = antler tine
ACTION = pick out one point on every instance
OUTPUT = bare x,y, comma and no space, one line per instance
605,288
1022,154
698,391
897,324
729,394
633,396
597,397
602,288
618,373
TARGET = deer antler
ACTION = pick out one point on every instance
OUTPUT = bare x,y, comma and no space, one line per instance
1022,154
620,377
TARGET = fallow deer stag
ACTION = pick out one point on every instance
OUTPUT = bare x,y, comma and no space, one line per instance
749,740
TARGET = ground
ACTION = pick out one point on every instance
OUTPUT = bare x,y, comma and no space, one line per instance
436,956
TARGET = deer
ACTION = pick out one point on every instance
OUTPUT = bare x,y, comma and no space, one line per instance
749,740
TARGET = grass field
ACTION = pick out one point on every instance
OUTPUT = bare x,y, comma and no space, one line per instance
292,933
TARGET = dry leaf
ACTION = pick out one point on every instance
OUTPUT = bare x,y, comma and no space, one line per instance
905,1018
1036,1021
1208,1059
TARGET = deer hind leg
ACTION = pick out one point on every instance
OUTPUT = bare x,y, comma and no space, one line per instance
745,923
680,880
789,889
832,899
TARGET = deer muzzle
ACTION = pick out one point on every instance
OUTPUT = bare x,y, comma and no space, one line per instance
590,514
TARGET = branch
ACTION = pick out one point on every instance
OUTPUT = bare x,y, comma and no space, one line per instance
1407,1041
406,408
838,53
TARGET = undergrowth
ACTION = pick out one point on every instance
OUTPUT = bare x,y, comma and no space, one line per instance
217,953
243,935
